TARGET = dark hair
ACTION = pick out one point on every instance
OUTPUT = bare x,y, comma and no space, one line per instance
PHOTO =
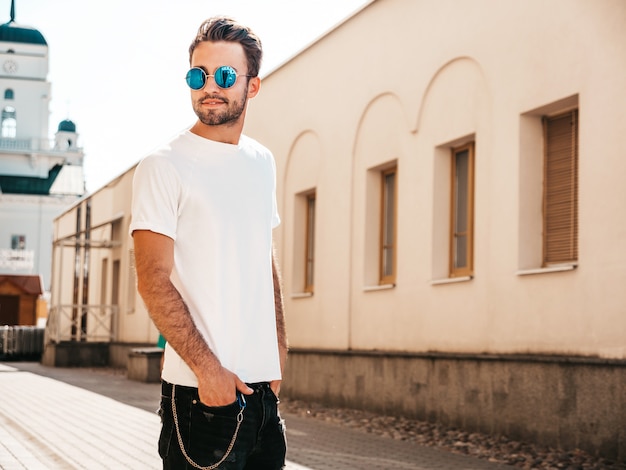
222,28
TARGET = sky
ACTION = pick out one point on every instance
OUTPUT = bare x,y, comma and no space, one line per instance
117,67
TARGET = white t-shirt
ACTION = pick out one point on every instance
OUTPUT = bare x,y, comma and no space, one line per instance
218,203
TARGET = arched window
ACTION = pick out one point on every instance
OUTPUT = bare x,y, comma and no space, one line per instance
8,94
9,123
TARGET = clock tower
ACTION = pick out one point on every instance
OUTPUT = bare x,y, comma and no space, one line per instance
25,91
40,176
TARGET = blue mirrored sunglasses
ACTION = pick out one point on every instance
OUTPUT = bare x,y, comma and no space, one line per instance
224,76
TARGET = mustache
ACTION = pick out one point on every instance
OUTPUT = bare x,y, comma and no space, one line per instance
212,97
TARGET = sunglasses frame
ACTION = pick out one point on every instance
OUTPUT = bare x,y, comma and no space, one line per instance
207,75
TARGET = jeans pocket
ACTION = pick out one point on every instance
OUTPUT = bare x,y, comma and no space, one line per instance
224,410
211,431
274,395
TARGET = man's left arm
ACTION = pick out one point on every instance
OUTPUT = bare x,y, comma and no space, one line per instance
281,331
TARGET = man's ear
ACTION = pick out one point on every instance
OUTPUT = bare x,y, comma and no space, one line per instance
254,85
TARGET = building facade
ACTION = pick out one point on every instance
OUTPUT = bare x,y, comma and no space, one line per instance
452,246
94,301
39,176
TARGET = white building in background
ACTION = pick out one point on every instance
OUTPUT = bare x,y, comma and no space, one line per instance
39,177
453,238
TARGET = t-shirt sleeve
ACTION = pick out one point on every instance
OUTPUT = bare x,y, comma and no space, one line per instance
155,197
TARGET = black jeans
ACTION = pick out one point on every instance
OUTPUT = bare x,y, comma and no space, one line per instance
206,433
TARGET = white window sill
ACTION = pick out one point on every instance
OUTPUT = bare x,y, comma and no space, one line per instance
301,295
379,287
451,280
549,269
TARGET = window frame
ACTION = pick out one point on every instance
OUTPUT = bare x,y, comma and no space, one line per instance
386,242
18,242
8,123
309,242
468,269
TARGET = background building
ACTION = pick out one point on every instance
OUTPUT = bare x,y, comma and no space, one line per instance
39,178
453,246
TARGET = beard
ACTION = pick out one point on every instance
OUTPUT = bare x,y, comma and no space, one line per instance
230,115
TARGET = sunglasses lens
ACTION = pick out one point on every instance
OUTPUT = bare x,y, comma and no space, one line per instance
225,76
196,79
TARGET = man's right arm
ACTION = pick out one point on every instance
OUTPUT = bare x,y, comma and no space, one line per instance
154,261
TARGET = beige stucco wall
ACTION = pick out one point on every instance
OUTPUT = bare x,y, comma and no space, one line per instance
405,80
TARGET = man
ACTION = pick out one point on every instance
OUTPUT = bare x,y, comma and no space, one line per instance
203,211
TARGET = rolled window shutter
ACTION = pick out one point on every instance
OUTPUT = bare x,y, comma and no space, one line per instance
561,189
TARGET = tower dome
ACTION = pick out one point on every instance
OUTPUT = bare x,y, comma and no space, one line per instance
67,126
12,32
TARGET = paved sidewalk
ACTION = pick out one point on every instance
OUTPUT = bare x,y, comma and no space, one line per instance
47,424
66,418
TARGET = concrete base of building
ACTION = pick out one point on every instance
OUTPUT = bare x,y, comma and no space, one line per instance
89,354
555,401
144,364
75,354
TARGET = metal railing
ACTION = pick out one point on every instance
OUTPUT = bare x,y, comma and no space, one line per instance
82,323
21,341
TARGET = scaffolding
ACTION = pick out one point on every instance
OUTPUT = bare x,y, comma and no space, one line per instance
79,321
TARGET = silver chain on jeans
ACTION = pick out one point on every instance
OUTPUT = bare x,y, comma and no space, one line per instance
182,446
